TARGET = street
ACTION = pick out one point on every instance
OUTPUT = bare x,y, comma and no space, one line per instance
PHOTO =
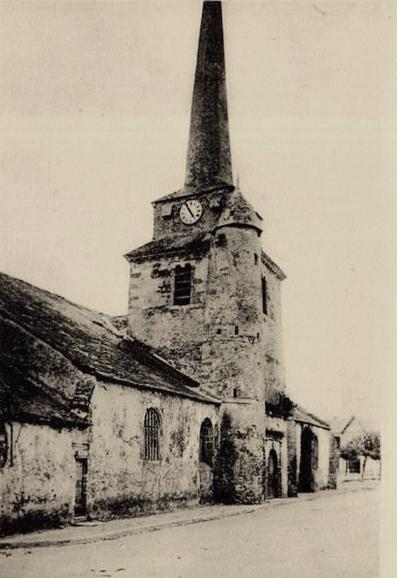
325,535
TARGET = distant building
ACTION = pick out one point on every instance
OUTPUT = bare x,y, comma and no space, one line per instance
345,430
186,401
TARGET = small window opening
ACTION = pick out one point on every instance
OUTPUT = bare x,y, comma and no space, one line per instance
183,285
354,465
236,330
255,258
219,331
152,435
235,392
3,445
206,442
220,240
264,296
258,335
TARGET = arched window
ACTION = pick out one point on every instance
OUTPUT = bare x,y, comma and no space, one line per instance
206,442
182,284
152,435
3,445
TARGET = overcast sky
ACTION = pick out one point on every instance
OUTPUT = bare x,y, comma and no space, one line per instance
95,100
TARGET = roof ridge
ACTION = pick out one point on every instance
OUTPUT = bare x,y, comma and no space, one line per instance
56,295
313,416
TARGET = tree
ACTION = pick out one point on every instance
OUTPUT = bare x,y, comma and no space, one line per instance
366,444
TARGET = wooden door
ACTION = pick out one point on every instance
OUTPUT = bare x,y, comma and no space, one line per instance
80,508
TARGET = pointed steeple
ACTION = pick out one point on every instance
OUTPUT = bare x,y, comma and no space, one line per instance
208,159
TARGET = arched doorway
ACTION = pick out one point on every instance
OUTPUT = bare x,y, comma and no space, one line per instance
308,461
273,475
206,460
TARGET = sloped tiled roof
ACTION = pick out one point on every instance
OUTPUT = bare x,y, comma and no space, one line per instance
273,267
170,245
239,212
301,415
217,184
22,398
57,347
341,425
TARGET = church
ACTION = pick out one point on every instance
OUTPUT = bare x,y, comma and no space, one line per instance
184,400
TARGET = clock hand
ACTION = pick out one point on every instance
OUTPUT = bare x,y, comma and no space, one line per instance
189,209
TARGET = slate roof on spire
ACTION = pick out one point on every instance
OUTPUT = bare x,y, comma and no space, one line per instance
239,212
209,158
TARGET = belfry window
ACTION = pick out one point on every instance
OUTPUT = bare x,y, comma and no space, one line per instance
264,296
182,284
152,426
3,445
206,442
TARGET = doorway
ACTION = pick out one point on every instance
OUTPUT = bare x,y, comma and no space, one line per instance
80,506
308,461
273,475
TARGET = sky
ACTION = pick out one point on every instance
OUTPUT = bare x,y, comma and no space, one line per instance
95,102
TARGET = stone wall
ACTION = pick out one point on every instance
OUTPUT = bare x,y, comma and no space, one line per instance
292,470
233,353
272,336
178,332
120,481
37,484
222,337
239,474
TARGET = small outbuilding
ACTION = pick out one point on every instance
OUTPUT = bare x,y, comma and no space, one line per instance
313,464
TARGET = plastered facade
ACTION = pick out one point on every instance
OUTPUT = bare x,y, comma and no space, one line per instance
37,484
121,482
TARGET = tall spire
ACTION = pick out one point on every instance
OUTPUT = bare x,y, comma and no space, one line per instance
208,159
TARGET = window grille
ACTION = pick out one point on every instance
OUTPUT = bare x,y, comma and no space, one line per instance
182,285
152,435
3,445
264,296
206,442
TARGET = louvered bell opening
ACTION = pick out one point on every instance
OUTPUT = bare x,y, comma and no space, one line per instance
183,285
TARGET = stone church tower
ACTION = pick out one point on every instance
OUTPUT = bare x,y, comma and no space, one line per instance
203,292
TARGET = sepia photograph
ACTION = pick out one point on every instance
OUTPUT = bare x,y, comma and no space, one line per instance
197,288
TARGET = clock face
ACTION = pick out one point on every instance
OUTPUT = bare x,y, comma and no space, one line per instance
191,212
